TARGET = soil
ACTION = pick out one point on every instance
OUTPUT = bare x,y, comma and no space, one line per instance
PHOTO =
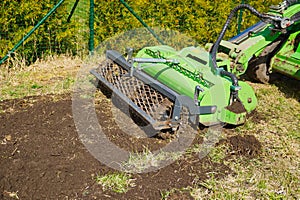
41,156
256,116
246,145
236,107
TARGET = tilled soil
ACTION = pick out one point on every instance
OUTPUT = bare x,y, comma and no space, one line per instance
248,145
42,157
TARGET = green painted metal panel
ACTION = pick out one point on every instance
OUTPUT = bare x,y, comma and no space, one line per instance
286,60
216,88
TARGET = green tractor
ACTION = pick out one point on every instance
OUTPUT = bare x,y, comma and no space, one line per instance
271,45
159,83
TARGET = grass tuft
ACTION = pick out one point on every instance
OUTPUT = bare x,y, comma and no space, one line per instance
138,162
116,182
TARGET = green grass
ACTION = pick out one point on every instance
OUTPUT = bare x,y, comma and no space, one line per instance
116,182
218,153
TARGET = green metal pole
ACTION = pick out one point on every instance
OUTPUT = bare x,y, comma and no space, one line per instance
72,11
240,19
91,24
30,32
141,21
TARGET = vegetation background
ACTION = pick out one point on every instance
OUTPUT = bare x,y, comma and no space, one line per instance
201,20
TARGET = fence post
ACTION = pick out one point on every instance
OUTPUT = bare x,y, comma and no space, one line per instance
91,25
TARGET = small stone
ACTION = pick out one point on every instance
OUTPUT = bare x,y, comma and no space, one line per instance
8,137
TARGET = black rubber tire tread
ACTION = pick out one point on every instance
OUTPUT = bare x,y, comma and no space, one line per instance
259,66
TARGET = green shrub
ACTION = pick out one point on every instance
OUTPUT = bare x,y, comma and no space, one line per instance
200,19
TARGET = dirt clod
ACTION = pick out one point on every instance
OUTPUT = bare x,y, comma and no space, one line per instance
236,107
246,145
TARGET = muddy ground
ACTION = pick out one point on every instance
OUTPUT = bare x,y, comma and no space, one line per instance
41,156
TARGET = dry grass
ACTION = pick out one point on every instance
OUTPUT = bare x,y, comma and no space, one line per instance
53,75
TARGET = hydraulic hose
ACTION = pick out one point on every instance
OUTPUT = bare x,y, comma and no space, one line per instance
215,47
226,25
235,83
234,79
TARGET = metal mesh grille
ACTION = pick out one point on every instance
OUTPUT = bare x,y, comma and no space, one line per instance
143,95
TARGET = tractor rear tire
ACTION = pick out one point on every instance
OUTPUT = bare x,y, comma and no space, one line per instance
258,69
259,72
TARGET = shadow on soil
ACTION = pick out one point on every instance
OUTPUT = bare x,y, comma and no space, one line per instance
289,86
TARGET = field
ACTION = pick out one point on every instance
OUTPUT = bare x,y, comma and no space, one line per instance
42,157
